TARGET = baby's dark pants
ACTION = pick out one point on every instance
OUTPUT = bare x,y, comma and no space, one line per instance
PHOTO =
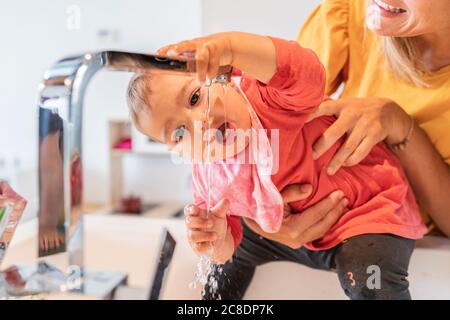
370,266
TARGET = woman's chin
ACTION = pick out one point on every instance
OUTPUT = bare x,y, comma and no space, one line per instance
381,29
385,26
386,22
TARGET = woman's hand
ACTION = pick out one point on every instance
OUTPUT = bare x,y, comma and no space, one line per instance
311,224
366,121
207,232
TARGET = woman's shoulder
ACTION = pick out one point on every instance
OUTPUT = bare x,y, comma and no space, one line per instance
336,31
357,13
333,12
348,15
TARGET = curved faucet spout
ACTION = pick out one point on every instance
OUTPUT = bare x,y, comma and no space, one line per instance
61,96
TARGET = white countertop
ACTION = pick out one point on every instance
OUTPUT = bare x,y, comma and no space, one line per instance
130,243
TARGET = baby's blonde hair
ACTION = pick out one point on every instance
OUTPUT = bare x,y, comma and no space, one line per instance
138,95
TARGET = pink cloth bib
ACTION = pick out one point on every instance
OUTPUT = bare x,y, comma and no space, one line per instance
245,180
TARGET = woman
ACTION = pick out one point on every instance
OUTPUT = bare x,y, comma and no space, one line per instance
403,60
405,63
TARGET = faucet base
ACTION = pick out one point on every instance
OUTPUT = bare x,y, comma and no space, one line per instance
25,280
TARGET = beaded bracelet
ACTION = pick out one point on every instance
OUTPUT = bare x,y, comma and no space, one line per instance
402,144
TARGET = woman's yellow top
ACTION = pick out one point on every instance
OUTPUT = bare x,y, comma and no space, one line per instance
351,53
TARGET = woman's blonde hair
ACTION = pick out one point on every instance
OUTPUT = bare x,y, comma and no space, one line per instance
403,58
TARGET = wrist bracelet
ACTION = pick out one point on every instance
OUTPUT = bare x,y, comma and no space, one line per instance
402,144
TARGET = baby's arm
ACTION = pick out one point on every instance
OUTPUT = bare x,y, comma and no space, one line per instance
289,76
297,85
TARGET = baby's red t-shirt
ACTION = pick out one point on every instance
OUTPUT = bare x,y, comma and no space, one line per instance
380,199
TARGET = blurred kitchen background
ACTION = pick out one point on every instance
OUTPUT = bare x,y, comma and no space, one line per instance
35,34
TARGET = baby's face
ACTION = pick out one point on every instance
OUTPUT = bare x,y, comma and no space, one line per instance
177,116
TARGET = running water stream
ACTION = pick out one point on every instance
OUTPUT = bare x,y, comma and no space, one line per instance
206,271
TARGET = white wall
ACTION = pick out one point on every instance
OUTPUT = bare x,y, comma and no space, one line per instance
34,34
281,18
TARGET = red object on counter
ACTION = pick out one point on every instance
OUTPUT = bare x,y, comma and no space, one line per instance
131,204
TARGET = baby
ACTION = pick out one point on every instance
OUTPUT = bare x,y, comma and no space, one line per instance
282,84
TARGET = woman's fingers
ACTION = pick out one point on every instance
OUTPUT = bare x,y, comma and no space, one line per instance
318,211
307,217
361,152
319,229
257,229
326,108
331,135
296,192
367,120
352,142
308,226
254,226
201,236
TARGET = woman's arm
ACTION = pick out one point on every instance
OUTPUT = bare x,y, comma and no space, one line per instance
368,121
312,224
429,177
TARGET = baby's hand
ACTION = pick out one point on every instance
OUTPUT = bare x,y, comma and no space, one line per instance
207,232
211,52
